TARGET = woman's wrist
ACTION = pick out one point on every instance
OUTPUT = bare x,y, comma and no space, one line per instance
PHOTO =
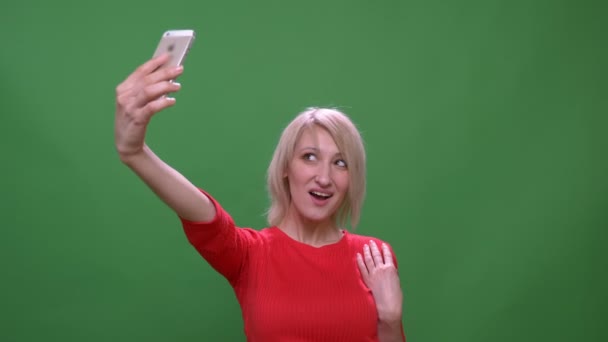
391,330
390,317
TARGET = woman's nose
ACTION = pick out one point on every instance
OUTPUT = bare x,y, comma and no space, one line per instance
323,177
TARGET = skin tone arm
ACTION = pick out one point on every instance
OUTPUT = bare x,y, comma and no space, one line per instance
381,277
138,98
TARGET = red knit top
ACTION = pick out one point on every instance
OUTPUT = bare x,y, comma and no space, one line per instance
289,291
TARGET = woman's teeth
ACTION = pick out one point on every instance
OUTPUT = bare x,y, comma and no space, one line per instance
320,194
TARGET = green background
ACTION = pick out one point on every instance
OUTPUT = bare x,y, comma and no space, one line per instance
485,126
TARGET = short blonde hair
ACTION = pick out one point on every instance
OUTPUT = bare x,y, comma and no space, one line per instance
349,142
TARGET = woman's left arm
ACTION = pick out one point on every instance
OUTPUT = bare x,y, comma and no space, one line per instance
380,275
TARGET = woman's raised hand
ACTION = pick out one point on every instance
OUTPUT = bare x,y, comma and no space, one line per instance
138,98
380,275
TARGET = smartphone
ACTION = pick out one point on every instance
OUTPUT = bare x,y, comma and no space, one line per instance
176,43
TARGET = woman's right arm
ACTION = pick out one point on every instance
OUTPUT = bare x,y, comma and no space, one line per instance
138,98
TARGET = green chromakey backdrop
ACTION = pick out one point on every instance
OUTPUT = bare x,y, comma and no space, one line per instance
485,126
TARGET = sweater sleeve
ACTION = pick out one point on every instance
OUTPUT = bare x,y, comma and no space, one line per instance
223,245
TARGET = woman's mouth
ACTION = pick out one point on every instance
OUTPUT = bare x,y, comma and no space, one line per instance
320,197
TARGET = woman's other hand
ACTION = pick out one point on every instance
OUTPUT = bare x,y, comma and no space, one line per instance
138,98
380,275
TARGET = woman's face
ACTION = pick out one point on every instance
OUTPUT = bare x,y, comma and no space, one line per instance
317,176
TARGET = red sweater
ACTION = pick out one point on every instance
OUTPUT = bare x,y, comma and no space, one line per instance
289,291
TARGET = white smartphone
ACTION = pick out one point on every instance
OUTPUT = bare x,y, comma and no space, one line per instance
176,43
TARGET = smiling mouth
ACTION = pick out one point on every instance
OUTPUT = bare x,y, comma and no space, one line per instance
320,195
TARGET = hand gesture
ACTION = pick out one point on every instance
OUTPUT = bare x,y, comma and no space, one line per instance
380,276
138,97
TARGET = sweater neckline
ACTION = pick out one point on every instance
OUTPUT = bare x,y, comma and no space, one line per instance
299,244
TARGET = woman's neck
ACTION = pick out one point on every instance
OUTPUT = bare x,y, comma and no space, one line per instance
316,234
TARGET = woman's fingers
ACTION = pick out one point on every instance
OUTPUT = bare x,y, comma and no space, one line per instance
362,267
154,91
367,256
150,73
146,68
388,256
163,74
373,257
376,253
156,106
147,74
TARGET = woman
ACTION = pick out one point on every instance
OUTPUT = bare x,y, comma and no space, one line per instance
303,278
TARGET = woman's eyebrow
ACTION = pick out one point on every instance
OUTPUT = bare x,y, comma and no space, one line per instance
316,149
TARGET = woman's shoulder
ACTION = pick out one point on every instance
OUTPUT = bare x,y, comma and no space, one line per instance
359,240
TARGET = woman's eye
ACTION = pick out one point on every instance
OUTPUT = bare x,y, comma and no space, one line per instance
341,163
309,156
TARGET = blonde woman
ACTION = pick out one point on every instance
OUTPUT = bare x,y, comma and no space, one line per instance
304,277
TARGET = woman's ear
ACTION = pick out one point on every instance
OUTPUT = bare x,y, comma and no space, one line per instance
285,171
